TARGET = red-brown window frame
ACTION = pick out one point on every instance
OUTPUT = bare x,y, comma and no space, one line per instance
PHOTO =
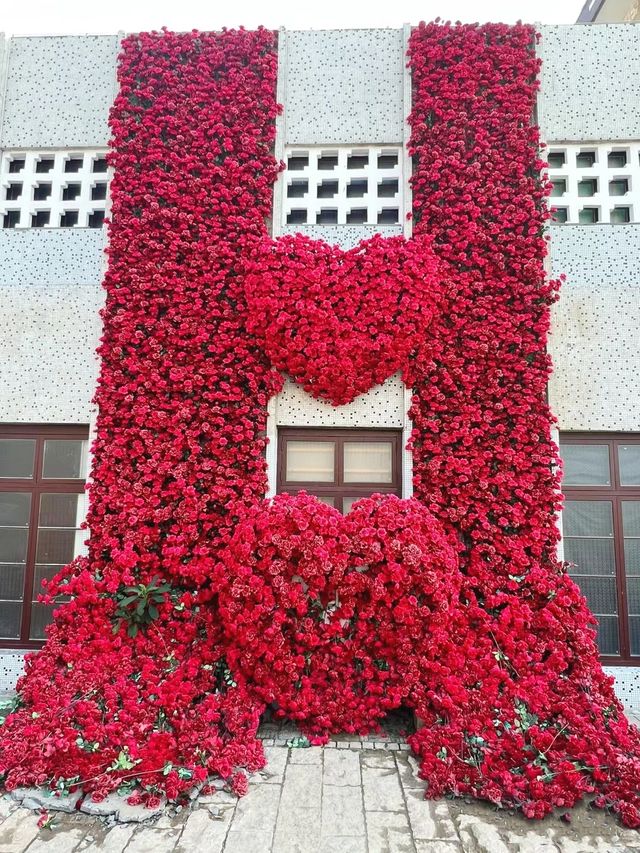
615,493
338,489
35,487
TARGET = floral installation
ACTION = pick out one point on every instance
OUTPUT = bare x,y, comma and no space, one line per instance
341,321
199,602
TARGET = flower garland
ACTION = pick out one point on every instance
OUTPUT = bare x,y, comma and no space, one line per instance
157,669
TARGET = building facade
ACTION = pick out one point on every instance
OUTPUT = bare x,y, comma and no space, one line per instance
343,134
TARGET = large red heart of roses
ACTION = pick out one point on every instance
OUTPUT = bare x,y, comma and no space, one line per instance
333,619
340,322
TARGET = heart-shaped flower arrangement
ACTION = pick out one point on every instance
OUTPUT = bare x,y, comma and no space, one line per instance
341,321
336,620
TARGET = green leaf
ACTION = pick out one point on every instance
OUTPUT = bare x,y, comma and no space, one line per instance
300,742
153,612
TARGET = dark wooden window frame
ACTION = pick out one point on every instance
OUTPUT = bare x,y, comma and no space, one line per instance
338,489
35,487
615,493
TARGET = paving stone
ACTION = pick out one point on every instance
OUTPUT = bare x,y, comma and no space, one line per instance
257,811
276,763
343,844
429,819
297,831
45,798
389,832
408,770
147,840
114,804
378,759
382,791
17,831
485,836
115,840
531,842
305,755
204,833
341,768
52,841
248,841
302,786
7,805
342,811
438,847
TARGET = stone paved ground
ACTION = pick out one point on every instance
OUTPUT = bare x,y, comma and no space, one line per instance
331,800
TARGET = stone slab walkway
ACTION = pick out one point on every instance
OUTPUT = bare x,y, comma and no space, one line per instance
315,800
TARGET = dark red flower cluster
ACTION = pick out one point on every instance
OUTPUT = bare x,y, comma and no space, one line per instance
527,717
182,398
199,603
340,322
336,619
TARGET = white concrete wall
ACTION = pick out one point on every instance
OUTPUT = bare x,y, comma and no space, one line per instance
59,90
596,328
343,86
48,367
590,82
51,256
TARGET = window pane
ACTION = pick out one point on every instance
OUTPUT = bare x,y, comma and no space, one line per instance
591,556
41,616
310,461
62,510
586,464
64,459
10,615
634,632
13,544
55,546
631,518
327,501
631,530
629,463
632,557
14,509
44,571
600,594
608,635
347,503
11,581
587,518
633,594
368,462
16,457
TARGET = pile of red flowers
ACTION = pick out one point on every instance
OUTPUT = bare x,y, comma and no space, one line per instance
199,603
336,619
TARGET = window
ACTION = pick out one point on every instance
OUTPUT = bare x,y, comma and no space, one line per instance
339,466
42,504
363,184
601,534
592,180
59,189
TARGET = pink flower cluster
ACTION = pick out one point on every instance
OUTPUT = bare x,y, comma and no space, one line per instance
199,603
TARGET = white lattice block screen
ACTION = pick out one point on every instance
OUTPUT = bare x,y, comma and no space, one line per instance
595,183
53,189
343,185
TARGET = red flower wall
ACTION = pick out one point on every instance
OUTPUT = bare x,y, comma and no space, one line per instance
199,603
